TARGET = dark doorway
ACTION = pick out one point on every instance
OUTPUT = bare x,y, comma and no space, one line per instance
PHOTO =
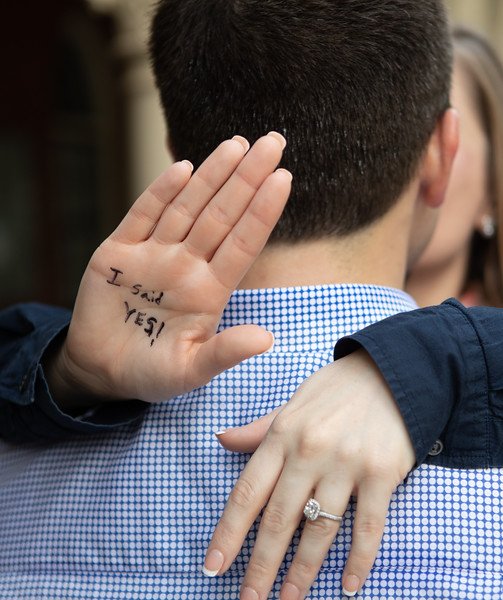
61,124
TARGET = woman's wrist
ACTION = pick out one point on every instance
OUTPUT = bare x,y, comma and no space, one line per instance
68,385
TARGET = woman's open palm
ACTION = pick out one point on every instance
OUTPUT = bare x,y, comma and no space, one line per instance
150,300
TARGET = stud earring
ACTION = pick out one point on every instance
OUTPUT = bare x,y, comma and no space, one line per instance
488,227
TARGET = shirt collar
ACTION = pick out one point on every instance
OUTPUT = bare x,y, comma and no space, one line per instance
313,318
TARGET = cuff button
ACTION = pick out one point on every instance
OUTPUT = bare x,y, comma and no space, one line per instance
437,448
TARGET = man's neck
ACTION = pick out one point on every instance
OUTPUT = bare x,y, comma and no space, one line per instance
375,255
433,284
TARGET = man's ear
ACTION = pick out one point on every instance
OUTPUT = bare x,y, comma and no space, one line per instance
437,162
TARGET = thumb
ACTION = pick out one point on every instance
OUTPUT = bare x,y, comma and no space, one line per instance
248,437
228,348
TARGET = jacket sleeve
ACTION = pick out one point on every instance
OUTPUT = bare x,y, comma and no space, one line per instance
27,410
444,365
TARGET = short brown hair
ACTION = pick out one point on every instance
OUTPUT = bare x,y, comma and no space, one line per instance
356,87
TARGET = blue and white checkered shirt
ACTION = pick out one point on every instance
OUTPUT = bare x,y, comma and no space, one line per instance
129,514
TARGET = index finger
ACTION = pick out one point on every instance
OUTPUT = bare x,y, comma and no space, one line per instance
247,238
249,496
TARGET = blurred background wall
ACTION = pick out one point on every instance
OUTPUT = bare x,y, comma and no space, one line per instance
81,132
63,174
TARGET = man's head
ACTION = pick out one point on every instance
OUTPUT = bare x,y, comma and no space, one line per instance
356,87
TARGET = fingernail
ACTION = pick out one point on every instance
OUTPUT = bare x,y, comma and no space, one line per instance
286,173
248,594
221,432
290,592
243,141
351,585
279,137
271,347
213,563
187,162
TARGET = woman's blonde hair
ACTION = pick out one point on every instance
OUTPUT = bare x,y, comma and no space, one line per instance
485,70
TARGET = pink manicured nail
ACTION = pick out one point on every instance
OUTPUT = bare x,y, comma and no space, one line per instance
351,585
187,162
279,137
290,592
271,347
213,563
243,141
221,432
286,173
248,594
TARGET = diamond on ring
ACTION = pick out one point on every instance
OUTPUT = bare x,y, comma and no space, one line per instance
312,510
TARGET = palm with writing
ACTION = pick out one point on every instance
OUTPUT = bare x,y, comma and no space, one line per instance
147,311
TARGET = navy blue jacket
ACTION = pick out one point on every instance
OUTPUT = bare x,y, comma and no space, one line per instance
444,365
27,410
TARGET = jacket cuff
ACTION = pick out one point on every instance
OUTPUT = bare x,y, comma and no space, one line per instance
434,364
29,411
